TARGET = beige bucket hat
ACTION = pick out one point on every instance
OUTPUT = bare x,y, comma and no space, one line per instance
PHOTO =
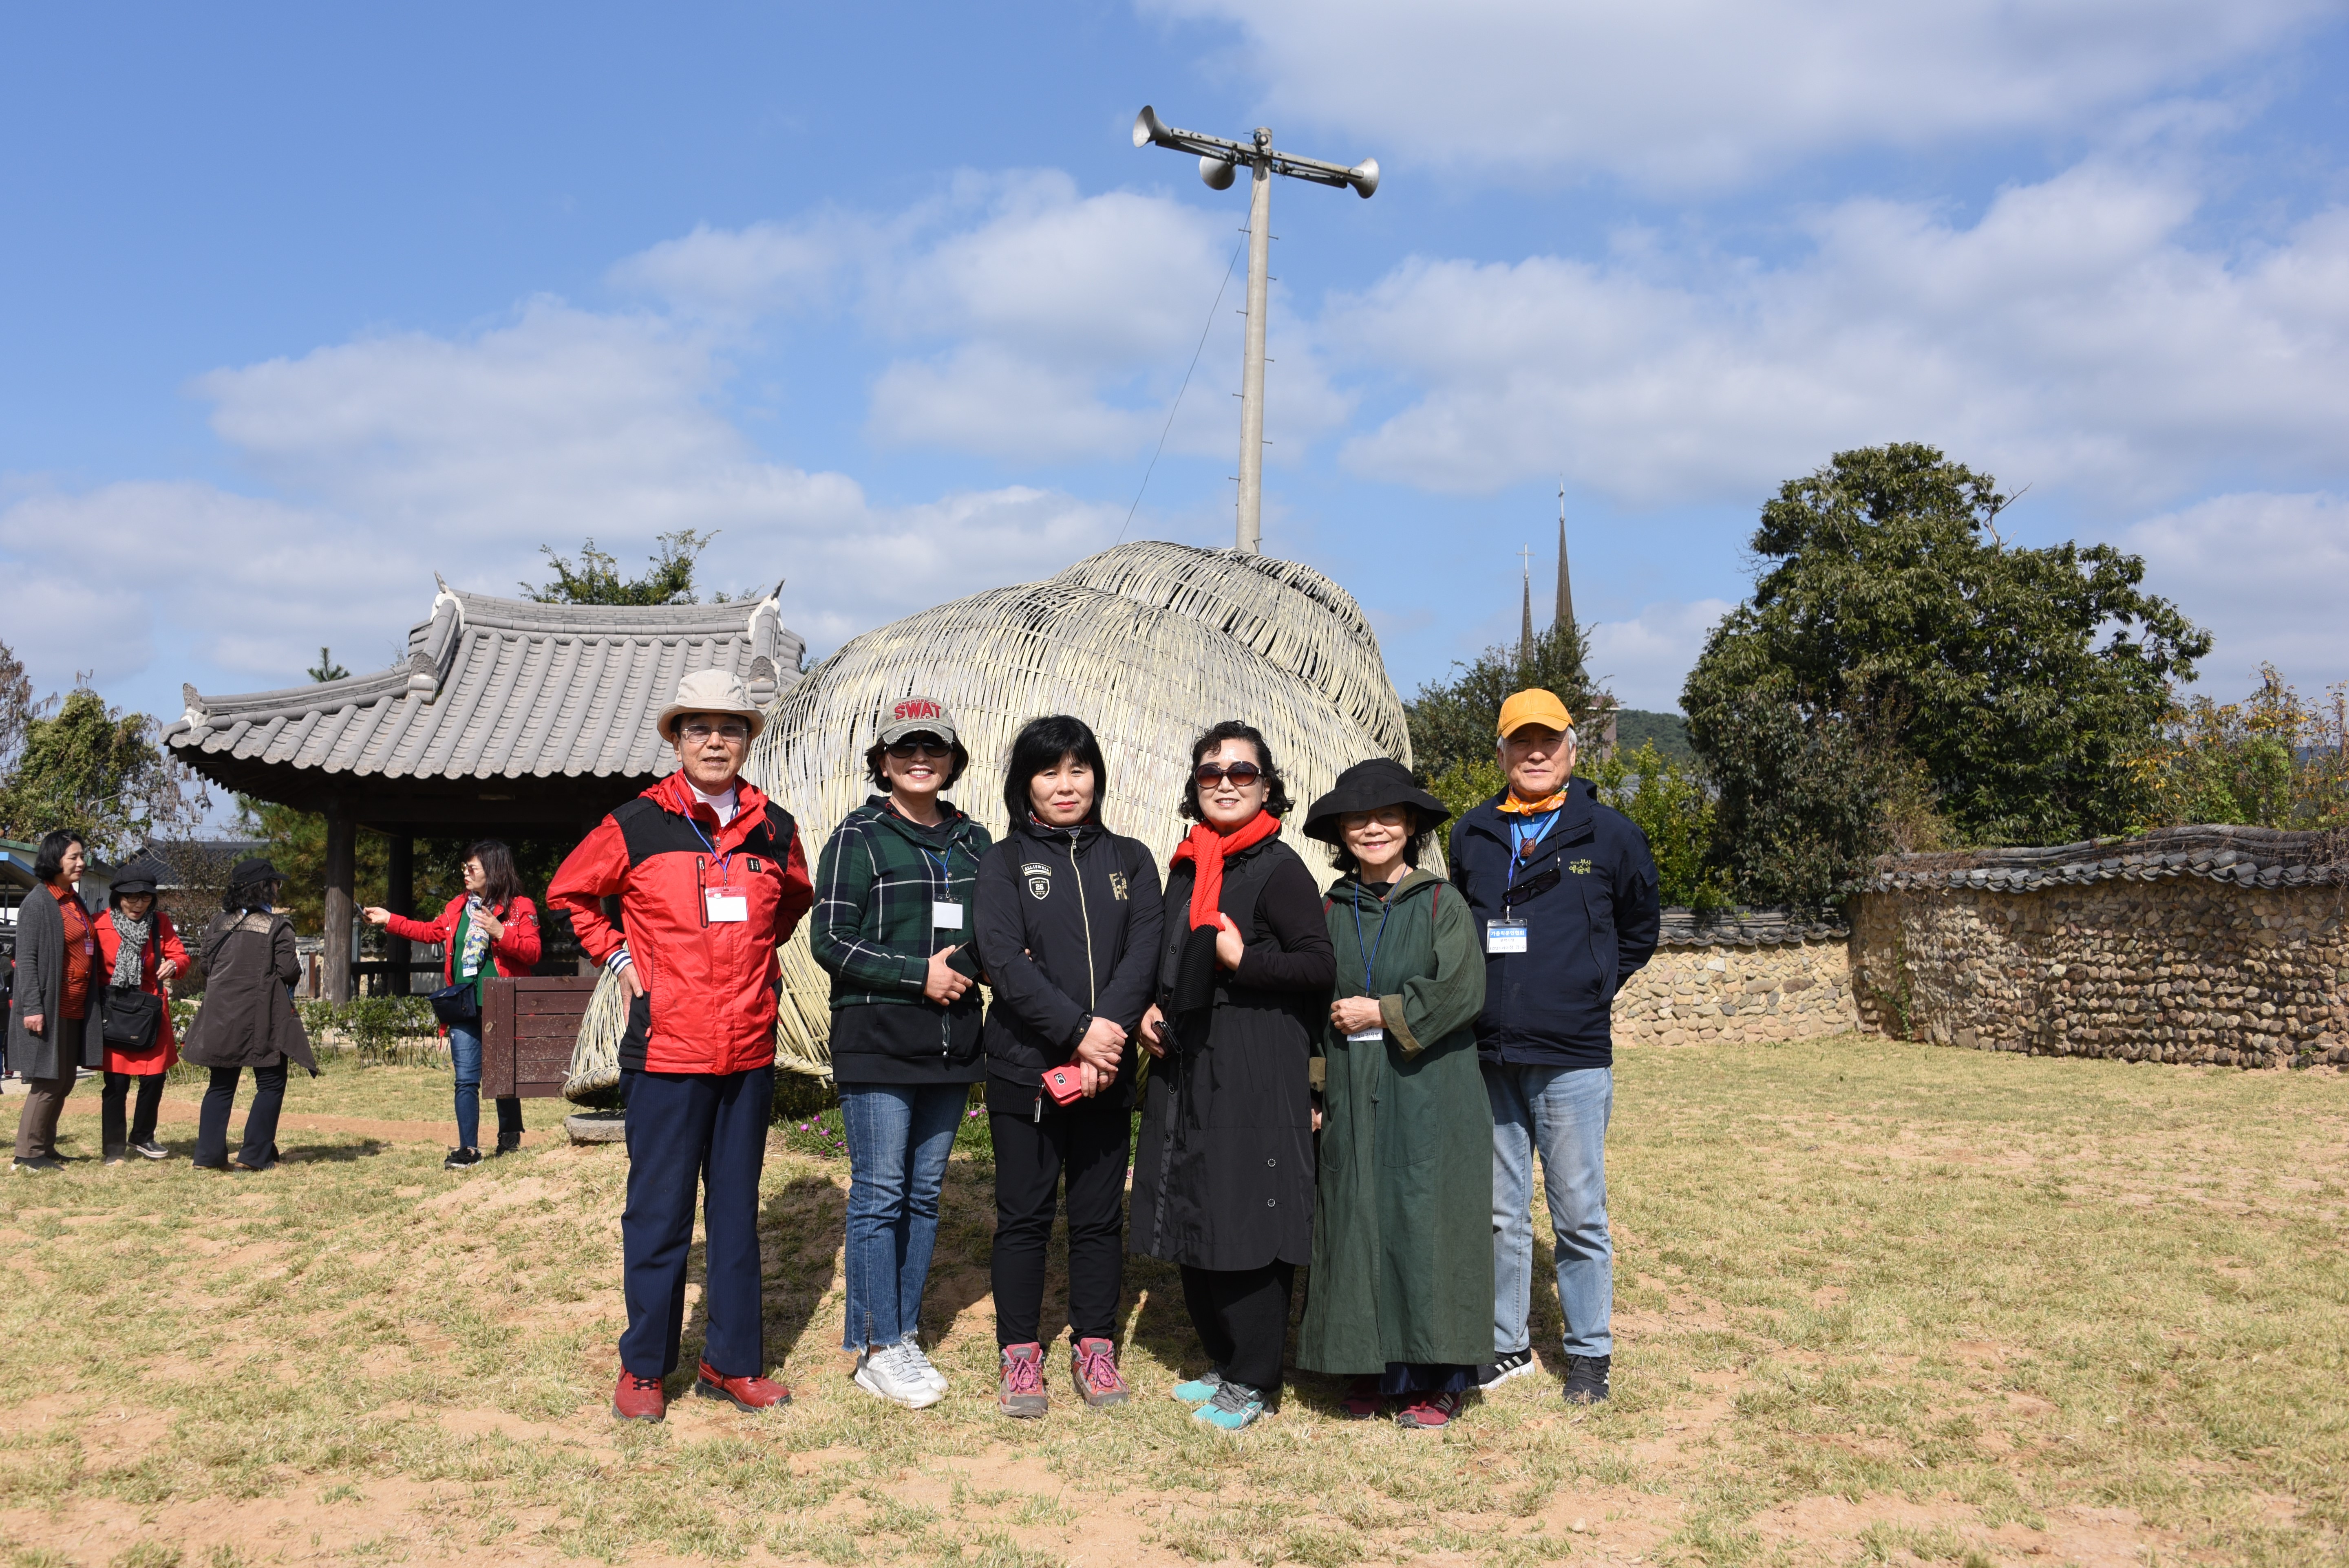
710,691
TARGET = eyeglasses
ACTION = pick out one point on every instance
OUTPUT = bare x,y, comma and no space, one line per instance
1241,774
732,734
906,750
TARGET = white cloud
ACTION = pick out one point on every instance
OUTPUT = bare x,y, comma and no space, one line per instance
2073,336
1645,660
2268,575
401,455
1705,92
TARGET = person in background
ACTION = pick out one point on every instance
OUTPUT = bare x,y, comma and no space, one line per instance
1403,1268
54,1027
892,926
711,880
1565,894
246,1018
488,929
1223,1181
137,949
1068,930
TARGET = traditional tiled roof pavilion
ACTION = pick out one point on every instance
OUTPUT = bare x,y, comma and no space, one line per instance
509,719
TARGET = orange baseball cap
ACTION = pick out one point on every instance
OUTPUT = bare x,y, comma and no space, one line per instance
1535,706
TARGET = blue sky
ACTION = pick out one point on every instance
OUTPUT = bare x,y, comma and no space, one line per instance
298,305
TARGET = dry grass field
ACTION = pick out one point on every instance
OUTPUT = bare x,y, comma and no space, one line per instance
1876,1303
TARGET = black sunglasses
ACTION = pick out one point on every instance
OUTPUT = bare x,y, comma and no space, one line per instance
1241,773
905,750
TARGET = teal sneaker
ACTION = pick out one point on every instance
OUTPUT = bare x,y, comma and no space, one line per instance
1234,1406
1202,1389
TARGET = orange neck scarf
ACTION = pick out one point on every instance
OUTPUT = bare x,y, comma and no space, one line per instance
1207,850
1518,807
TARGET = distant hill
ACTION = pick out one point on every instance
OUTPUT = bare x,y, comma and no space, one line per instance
1669,730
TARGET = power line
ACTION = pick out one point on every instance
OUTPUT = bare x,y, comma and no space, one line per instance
1178,393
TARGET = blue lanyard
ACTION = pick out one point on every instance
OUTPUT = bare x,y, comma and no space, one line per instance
1520,840
945,868
723,873
1370,962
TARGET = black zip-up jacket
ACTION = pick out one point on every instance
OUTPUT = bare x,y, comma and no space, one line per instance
1068,927
1589,898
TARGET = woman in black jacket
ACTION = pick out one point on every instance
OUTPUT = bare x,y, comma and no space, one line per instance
1222,1181
1068,928
248,1018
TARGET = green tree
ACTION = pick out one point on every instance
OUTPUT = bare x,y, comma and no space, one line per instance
325,669
2272,760
1669,803
596,579
97,770
17,709
1453,723
1901,666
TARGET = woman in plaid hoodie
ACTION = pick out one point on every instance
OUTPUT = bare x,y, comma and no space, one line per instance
893,926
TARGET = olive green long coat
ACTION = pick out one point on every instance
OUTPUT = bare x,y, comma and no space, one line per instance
1402,1233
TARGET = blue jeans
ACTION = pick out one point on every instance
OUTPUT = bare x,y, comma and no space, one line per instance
465,1053
1562,1112
899,1136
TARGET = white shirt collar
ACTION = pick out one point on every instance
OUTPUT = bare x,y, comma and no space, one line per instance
724,804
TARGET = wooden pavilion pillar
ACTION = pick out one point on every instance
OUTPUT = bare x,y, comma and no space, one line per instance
399,897
342,877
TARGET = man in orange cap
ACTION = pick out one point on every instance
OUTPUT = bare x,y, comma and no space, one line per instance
1564,893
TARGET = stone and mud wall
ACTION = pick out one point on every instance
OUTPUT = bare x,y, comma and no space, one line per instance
2220,945
1736,981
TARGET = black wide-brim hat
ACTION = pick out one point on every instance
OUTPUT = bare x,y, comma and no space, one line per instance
140,876
1366,787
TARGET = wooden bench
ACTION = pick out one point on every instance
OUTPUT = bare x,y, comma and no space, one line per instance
529,1025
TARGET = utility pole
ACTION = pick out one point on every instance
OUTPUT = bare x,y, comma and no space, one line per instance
1218,163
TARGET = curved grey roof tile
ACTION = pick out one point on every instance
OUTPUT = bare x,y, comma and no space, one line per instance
2246,857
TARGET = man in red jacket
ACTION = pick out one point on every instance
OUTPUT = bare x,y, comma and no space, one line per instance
710,878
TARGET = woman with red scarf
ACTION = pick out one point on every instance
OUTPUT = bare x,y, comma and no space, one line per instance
1223,1180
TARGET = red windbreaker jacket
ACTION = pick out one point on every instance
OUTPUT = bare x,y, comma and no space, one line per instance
709,985
513,954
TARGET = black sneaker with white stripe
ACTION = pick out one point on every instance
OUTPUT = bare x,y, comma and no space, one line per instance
1586,1379
1501,1369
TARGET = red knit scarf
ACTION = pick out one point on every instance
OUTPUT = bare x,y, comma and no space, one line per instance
1207,850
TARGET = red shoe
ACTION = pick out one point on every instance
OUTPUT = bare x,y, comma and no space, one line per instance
1362,1401
1429,1411
639,1398
751,1393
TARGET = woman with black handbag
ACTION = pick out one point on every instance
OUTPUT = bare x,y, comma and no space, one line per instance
248,1018
137,952
488,929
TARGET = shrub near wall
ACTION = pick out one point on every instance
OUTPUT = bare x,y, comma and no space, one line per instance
2220,945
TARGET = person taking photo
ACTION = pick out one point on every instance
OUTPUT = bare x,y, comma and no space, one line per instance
711,880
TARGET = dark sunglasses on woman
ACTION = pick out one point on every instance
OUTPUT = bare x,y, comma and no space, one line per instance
926,745
1241,773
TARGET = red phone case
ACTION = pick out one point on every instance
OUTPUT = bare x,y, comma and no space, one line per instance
1065,1084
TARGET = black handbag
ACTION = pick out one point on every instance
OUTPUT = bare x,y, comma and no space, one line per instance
132,1017
458,1004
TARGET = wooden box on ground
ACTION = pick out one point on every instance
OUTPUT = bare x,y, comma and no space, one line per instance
528,1027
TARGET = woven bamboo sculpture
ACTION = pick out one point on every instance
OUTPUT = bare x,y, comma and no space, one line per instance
1148,642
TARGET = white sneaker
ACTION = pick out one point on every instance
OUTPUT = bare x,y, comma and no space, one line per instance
912,1347
888,1372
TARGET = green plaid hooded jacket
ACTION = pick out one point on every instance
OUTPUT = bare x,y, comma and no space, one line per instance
874,888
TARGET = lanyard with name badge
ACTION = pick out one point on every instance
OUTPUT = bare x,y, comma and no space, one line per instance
945,913
1369,963
721,905
1507,935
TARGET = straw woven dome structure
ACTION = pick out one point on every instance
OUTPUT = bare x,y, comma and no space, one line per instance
1148,642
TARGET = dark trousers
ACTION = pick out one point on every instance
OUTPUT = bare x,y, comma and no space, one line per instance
689,1131
1086,1149
260,1118
37,1124
1242,1317
142,1118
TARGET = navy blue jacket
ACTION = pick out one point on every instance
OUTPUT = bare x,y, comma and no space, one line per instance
1589,899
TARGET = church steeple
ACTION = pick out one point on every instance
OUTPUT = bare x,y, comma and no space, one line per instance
1565,612
1525,635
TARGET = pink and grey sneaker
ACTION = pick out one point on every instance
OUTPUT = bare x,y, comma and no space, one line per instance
1093,1363
1019,1391
1362,1401
1429,1412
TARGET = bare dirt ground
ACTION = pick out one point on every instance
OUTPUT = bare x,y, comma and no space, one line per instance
1875,1302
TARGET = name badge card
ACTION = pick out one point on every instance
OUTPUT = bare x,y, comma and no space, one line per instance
945,916
1504,936
1369,1036
725,904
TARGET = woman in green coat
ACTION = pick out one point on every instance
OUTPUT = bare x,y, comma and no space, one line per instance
1402,1290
